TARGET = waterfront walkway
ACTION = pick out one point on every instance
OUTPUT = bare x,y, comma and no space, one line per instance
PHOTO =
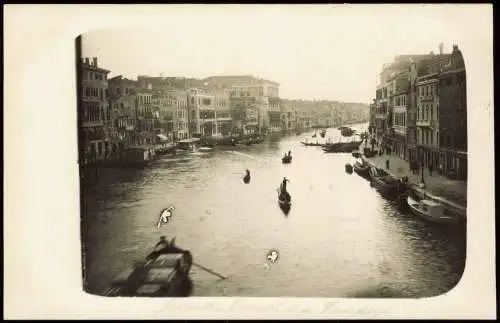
451,192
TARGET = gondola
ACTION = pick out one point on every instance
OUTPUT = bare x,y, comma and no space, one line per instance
164,273
286,160
246,179
362,170
311,144
284,201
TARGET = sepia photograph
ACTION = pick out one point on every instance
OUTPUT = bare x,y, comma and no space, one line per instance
285,165
258,161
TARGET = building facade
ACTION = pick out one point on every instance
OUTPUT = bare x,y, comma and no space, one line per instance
93,110
223,113
122,104
288,116
399,98
145,117
453,117
245,115
427,123
201,106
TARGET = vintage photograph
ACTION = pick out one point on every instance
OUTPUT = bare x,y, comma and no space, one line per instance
275,161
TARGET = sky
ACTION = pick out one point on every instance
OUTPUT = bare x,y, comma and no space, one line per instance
315,52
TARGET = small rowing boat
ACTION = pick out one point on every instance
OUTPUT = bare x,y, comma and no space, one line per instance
429,210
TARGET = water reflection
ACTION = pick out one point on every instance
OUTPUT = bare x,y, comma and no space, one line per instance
339,238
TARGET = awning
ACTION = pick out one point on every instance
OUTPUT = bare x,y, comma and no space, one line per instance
162,137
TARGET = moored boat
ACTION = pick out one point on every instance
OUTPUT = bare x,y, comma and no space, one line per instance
188,144
205,149
347,132
385,183
341,147
362,170
286,160
309,144
430,210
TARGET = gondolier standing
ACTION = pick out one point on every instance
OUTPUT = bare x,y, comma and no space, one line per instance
283,184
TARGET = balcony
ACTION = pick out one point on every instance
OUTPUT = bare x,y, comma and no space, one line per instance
94,123
425,123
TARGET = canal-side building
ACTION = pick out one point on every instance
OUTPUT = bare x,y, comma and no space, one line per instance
427,122
399,98
288,116
267,101
122,103
162,116
304,119
201,106
244,115
223,113
373,111
228,81
145,117
178,113
93,110
411,114
322,115
453,117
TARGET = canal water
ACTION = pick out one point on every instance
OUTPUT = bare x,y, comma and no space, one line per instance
340,238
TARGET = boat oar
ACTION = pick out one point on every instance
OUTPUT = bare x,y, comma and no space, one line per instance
209,270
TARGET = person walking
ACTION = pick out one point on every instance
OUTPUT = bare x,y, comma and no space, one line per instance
430,169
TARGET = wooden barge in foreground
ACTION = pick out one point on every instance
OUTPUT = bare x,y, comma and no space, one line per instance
164,273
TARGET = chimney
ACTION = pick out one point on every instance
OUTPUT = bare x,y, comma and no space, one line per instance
87,60
455,48
94,61
441,49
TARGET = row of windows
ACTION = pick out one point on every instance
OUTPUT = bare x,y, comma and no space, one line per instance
399,119
426,112
92,112
427,90
221,103
127,90
181,114
145,98
400,100
92,92
89,75
426,137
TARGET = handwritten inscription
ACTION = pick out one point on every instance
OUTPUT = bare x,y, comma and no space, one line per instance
310,307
